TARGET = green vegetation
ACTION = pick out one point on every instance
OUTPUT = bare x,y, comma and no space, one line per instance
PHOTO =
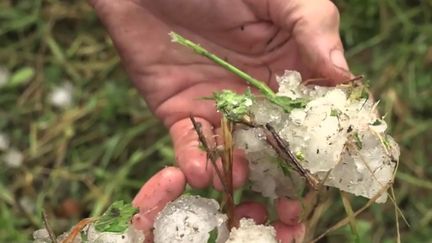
285,102
77,161
116,218
234,106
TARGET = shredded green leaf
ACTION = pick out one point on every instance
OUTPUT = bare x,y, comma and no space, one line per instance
286,170
386,142
116,218
213,236
358,141
84,236
234,106
360,92
299,155
335,112
287,103
377,122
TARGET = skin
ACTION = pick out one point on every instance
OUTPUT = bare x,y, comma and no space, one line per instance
261,37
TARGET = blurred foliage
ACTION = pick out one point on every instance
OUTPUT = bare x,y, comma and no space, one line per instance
391,43
79,160
76,160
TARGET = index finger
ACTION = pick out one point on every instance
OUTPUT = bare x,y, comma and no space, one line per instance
163,187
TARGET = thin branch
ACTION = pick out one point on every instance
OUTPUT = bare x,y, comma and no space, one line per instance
227,163
77,229
282,148
345,220
225,176
212,155
201,51
317,80
48,227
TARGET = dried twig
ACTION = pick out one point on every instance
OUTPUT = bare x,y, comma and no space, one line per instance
48,227
212,154
225,176
317,80
227,163
282,148
77,229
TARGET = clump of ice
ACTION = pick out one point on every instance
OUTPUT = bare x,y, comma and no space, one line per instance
190,219
249,232
61,96
338,137
90,234
13,158
265,171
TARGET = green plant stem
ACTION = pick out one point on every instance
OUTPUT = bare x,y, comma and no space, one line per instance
265,90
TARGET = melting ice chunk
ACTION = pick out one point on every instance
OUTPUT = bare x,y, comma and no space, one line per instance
189,219
338,134
249,232
265,170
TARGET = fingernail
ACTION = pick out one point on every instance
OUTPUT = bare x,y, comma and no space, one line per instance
338,59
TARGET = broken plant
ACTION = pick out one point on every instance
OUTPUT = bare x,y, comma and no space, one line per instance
329,136
301,136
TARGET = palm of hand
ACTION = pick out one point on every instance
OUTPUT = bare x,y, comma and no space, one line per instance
173,78
262,38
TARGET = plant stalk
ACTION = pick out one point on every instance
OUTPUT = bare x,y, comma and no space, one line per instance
227,164
265,90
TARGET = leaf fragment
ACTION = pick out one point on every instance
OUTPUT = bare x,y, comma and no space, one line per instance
358,141
116,218
234,106
287,103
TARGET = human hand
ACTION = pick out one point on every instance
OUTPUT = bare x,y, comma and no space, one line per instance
261,37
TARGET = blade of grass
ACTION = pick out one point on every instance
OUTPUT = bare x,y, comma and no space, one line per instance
283,101
396,212
350,213
200,50
346,220
417,182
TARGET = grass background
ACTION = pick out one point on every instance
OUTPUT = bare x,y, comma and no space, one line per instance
79,160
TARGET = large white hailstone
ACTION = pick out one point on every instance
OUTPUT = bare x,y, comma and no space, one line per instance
249,232
4,76
13,158
4,142
190,219
61,96
338,136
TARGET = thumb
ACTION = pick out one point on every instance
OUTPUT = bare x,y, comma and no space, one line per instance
314,26
326,63
320,46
